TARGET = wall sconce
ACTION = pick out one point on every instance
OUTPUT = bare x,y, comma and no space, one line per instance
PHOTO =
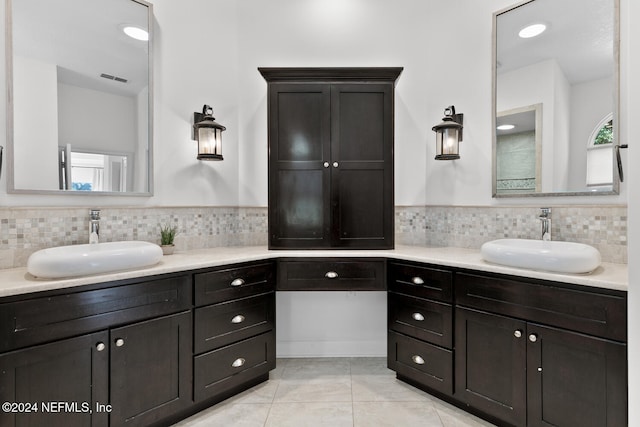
208,133
448,135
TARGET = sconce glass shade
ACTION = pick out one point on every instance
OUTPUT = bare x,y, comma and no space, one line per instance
208,133
448,135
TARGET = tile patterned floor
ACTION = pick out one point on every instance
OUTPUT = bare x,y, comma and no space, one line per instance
335,392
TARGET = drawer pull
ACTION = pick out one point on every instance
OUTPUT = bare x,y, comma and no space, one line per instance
100,346
237,282
517,333
238,319
119,342
417,316
331,275
238,362
417,360
417,280
533,337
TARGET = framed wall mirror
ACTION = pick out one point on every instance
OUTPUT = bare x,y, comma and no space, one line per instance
555,98
80,97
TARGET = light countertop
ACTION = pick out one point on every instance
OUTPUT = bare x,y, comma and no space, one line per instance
16,281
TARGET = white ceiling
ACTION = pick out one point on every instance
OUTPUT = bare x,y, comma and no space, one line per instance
84,39
579,35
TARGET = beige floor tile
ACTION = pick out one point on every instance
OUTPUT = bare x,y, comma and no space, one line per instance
314,390
229,414
394,414
316,368
262,393
370,366
384,388
317,414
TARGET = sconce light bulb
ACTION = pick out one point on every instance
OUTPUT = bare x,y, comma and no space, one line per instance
505,127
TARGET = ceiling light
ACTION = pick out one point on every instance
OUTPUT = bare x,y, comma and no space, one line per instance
532,31
505,127
136,33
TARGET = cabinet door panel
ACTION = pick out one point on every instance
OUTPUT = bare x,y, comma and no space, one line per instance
301,207
300,122
299,135
362,165
151,371
491,364
71,371
575,380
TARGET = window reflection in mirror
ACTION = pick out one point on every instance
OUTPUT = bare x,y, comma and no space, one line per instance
81,171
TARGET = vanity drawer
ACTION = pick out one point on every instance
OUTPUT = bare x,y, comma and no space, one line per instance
236,282
421,362
331,274
421,281
44,319
221,370
422,319
596,312
224,323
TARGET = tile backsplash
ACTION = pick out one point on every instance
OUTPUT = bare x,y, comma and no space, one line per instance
25,230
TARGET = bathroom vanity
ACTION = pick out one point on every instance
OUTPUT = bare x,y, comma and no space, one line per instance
153,346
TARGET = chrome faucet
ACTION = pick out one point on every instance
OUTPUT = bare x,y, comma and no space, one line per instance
94,226
545,217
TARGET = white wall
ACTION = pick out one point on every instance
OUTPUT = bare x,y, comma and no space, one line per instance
35,90
109,125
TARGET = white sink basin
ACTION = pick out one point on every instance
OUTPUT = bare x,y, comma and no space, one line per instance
560,257
81,260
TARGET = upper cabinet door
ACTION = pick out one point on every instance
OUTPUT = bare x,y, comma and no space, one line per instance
331,157
299,152
362,165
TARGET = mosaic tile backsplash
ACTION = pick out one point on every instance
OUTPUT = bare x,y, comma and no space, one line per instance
25,230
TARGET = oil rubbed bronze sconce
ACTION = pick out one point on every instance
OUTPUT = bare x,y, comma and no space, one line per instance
449,135
208,133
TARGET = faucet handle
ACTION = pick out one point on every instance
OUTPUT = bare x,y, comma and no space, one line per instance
545,212
94,214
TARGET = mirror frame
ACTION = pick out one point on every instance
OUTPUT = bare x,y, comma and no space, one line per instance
615,187
10,125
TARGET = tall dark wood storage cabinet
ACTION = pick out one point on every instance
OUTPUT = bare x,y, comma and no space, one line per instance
331,157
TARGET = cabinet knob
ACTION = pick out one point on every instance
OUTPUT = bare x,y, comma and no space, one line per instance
100,346
331,275
119,342
238,362
517,333
417,316
325,164
533,337
417,360
238,319
335,164
417,280
237,282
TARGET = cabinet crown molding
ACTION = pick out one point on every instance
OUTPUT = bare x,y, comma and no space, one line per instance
330,74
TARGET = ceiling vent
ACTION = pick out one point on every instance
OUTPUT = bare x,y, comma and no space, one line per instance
110,77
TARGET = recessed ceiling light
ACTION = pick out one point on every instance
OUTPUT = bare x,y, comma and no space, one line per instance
136,33
532,30
505,127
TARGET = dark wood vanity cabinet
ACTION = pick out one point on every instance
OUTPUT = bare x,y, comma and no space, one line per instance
420,321
540,353
111,354
331,157
234,329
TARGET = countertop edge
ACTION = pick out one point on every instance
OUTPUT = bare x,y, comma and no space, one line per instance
17,281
